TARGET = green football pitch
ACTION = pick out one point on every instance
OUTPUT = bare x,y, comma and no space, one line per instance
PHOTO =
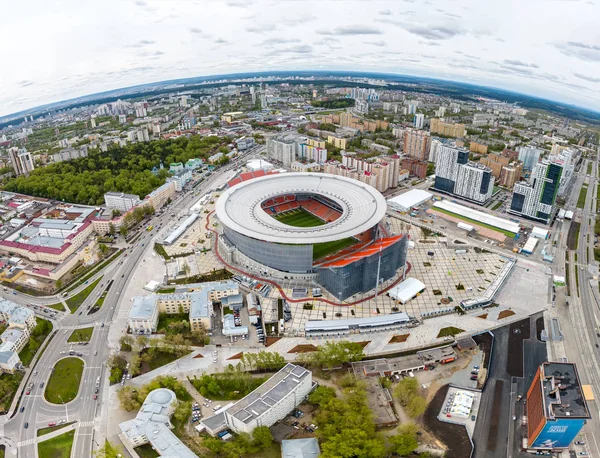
299,218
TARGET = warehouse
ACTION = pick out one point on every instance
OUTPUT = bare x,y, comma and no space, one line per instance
413,198
407,290
530,245
540,233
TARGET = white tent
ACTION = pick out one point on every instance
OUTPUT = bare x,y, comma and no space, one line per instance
406,290
404,202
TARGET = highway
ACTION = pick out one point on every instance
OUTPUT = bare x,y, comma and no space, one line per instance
90,414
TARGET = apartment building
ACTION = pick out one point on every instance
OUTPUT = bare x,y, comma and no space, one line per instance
450,130
457,176
381,173
159,197
121,201
20,321
529,156
417,144
284,148
21,160
338,142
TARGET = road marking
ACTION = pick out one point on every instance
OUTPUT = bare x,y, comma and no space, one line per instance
27,442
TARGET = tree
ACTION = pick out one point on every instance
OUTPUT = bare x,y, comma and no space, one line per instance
321,395
116,361
109,451
103,249
262,437
403,444
416,406
142,341
406,389
182,411
430,168
134,365
111,227
123,230
126,342
186,269
128,399
334,354
58,284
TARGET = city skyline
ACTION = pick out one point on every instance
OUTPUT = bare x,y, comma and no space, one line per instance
74,50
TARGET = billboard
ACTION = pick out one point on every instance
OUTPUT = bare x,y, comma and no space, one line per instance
558,433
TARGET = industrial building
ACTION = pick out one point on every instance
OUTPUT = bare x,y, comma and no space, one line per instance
556,407
413,198
477,215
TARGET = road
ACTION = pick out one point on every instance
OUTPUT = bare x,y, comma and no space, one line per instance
90,414
580,319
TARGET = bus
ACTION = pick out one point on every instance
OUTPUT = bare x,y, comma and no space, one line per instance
149,228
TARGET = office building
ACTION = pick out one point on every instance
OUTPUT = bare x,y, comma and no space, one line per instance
529,156
417,144
121,201
556,407
535,200
447,129
456,175
265,406
419,120
21,160
152,425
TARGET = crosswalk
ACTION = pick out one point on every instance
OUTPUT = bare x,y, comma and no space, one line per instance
27,442
81,424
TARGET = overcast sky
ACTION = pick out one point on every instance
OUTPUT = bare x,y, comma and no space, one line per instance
55,50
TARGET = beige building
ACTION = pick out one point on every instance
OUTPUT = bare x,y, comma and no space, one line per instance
338,142
159,197
511,174
479,148
317,143
447,129
416,144
381,173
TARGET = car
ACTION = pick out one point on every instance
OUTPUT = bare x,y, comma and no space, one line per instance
473,377
42,385
472,417
27,392
52,423
514,417
22,409
579,443
26,425
580,453
214,360
95,396
96,352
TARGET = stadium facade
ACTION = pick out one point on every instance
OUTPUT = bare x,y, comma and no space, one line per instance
322,224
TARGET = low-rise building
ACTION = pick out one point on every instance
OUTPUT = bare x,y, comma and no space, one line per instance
159,197
153,425
121,201
197,301
269,403
20,322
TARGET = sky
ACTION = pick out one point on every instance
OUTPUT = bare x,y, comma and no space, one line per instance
52,51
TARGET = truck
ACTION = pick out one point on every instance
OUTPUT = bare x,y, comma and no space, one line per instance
464,226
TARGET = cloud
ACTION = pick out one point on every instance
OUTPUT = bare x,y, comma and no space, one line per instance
351,30
141,3
260,29
591,79
220,41
385,12
239,3
197,31
580,50
24,83
300,49
429,43
435,32
376,43
142,43
298,20
519,63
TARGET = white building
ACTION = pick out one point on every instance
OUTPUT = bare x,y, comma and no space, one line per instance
121,201
143,316
407,290
180,179
419,120
529,156
284,148
265,406
413,198
457,176
153,425
20,321
21,159
535,200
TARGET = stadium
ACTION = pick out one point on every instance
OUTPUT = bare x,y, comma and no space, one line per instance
322,224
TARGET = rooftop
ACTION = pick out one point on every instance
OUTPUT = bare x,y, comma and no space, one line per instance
300,448
563,396
269,393
354,323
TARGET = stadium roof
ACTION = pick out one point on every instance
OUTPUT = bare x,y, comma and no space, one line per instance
239,208
364,252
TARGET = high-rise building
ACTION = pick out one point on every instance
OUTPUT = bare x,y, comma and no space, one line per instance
284,148
556,407
22,160
455,175
417,144
535,200
120,201
510,174
495,162
448,129
415,167
419,120
93,121
529,156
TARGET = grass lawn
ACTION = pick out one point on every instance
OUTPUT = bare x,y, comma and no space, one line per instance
81,335
75,301
449,331
323,249
274,451
63,385
165,320
57,306
166,291
159,359
299,218
146,451
31,348
50,429
10,384
582,197
497,205
469,220
589,170
57,447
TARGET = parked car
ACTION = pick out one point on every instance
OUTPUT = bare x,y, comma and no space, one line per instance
26,425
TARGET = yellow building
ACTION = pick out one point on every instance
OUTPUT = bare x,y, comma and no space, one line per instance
317,143
447,129
479,148
338,142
